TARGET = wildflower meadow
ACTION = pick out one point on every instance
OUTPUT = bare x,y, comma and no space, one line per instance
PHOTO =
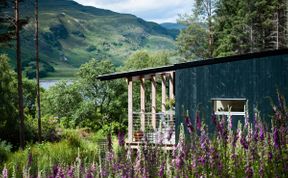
251,150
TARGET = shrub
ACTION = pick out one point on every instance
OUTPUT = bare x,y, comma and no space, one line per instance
51,130
72,137
5,150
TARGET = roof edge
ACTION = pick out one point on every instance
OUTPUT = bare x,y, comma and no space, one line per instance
184,65
233,58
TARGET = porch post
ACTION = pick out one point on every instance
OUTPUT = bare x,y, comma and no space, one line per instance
163,104
171,86
130,109
153,85
171,93
142,103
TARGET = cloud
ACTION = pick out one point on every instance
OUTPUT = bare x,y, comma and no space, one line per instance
151,10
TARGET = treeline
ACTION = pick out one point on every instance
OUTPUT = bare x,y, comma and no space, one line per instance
228,27
86,102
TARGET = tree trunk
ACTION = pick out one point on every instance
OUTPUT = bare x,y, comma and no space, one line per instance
277,30
286,26
37,70
251,39
210,37
19,75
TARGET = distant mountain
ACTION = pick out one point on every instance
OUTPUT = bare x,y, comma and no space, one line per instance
173,26
71,34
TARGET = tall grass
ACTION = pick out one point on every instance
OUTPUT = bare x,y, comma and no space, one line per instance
252,150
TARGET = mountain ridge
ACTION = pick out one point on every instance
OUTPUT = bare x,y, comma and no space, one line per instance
71,34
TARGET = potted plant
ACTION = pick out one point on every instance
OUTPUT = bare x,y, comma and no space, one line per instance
138,135
170,104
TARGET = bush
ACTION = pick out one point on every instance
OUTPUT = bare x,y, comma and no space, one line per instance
72,137
41,157
5,150
75,144
51,130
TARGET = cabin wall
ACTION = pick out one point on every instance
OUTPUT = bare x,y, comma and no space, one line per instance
254,79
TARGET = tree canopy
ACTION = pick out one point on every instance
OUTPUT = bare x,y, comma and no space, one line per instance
233,27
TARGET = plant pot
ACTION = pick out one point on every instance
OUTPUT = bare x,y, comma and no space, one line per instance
138,135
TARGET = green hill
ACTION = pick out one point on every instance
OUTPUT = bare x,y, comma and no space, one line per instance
171,26
71,34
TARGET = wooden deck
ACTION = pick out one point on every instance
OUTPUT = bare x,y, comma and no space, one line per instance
136,145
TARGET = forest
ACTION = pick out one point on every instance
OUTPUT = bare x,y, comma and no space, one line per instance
79,129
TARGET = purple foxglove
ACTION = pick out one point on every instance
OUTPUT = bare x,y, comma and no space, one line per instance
201,160
261,133
70,172
204,140
138,166
198,121
110,156
270,155
244,142
255,135
235,138
189,125
60,173
93,167
230,122
5,172
276,138
56,169
246,121
170,133
261,170
121,138
223,129
214,119
89,174
280,101
249,171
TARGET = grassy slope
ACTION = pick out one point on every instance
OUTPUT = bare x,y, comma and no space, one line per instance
72,34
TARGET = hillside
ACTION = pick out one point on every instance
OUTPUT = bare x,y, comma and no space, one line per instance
71,34
173,26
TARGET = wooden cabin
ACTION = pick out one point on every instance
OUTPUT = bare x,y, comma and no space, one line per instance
241,83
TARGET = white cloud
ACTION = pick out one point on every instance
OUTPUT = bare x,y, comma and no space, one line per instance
151,10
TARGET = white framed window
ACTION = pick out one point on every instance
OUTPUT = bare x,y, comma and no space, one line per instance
229,106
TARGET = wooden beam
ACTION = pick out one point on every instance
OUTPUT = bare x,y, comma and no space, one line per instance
163,104
146,77
142,103
130,109
153,92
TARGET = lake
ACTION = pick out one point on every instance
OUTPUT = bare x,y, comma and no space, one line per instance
46,84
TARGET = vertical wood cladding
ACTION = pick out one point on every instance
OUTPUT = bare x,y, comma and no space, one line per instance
255,79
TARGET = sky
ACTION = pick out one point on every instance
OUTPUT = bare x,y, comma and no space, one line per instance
159,11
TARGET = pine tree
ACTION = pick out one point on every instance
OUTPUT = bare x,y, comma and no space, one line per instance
205,10
37,70
243,26
7,22
19,75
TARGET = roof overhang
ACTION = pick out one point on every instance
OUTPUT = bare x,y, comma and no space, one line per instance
161,70
145,73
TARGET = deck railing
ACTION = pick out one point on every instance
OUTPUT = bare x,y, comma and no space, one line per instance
163,132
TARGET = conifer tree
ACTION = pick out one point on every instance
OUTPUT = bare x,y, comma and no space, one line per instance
37,70
19,75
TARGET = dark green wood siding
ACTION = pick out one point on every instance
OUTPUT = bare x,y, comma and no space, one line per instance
254,79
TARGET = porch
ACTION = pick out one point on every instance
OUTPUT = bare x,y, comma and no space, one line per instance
152,125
